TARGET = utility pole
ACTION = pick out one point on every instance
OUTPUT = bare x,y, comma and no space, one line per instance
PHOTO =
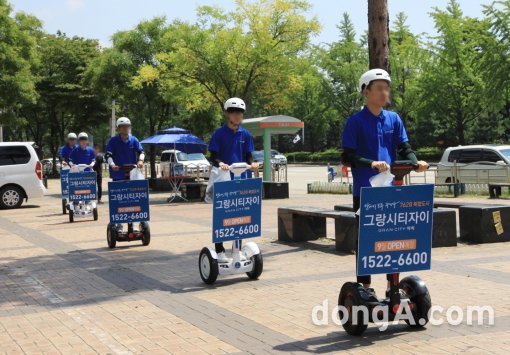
378,35
112,122
1,133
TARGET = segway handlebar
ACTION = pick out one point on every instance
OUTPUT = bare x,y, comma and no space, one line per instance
238,168
401,168
80,167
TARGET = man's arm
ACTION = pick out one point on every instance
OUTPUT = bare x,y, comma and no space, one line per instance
215,161
350,158
405,152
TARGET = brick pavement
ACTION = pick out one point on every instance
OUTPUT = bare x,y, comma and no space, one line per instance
63,291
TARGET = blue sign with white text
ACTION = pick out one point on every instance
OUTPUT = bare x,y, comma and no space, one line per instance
128,201
237,209
82,186
64,183
395,229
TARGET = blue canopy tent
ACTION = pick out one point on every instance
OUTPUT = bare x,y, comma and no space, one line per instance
179,139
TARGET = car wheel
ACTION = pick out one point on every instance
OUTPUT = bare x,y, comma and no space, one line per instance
11,197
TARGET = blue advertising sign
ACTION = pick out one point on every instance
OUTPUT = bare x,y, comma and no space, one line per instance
395,229
129,201
64,183
237,209
82,186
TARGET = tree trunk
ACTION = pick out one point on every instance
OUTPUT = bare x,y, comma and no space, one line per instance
378,35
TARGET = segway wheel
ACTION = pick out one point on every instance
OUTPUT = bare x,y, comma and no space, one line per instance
94,213
64,206
71,216
146,233
111,235
208,266
258,266
418,294
354,322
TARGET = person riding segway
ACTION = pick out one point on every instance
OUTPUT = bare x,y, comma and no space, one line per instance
63,154
231,144
128,198
231,148
395,235
373,138
82,180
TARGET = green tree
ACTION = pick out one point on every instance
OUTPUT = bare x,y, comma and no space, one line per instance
247,52
130,74
17,57
495,68
343,63
407,59
452,91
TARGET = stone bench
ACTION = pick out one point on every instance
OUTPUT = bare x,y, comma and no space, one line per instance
299,224
484,223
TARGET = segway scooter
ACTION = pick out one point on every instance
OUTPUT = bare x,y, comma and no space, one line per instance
64,188
409,294
129,203
236,215
82,192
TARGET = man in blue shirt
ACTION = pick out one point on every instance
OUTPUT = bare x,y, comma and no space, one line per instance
82,154
230,144
66,149
372,140
123,149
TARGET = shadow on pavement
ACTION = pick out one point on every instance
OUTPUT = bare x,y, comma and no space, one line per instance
340,340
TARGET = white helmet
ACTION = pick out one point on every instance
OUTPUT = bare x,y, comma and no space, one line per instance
235,102
371,75
71,136
83,135
123,121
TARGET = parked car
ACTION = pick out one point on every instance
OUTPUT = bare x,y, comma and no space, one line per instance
193,163
20,174
479,164
276,158
48,165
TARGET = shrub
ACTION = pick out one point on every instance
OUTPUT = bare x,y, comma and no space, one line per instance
429,153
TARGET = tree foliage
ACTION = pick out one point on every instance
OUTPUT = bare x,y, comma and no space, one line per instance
452,88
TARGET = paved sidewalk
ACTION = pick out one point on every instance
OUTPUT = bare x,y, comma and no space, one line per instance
63,291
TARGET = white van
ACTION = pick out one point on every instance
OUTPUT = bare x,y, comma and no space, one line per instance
194,163
476,164
20,174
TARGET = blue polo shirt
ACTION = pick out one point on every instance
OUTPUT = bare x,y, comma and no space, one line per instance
123,153
65,150
82,156
232,147
372,137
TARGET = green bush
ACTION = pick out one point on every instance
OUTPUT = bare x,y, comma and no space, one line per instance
298,157
429,153
328,156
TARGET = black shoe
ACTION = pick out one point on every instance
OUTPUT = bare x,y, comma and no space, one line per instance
371,294
402,293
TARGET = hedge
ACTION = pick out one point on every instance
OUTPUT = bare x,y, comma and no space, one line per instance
333,156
